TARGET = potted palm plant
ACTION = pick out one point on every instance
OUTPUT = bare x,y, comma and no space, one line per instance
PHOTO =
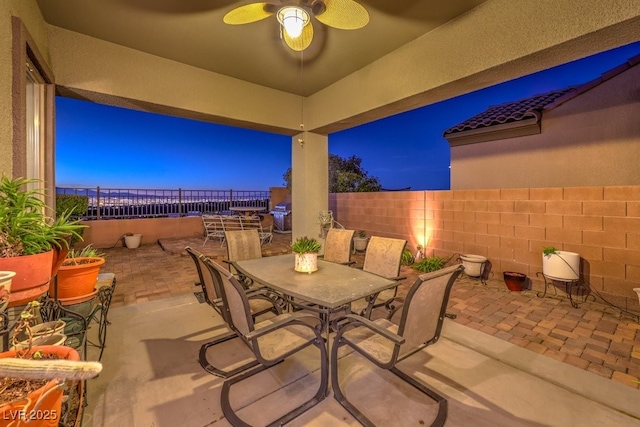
29,238
306,254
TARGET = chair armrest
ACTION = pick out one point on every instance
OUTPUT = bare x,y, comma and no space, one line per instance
355,319
294,318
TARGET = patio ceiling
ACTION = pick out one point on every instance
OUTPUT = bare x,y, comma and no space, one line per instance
192,32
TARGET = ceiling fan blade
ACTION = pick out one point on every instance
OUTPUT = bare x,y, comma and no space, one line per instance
344,15
248,13
301,42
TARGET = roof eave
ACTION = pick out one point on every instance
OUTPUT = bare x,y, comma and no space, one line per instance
525,127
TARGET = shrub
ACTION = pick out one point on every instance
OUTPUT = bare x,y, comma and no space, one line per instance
429,264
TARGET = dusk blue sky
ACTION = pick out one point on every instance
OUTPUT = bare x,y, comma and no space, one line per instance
98,145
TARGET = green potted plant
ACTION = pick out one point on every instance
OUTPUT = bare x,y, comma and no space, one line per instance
360,241
306,254
29,238
78,274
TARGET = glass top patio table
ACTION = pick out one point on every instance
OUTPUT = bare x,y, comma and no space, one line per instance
332,286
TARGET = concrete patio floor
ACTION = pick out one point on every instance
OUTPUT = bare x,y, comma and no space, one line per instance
151,377
507,359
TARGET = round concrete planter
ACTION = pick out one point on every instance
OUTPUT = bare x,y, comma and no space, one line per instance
473,264
132,241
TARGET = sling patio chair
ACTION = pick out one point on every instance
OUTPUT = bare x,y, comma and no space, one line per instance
209,279
271,341
337,246
242,245
383,257
385,343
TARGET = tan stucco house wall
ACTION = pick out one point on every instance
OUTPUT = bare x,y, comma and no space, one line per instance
592,139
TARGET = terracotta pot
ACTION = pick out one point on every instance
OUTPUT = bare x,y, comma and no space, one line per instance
515,281
59,255
78,280
33,274
48,398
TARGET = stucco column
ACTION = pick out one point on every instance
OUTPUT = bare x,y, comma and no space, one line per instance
310,182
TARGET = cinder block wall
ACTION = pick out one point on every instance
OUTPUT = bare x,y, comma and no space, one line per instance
511,226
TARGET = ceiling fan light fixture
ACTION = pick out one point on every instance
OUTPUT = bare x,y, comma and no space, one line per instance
293,19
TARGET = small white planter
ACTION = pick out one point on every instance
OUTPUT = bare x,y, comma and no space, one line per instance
52,339
306,262
473,264
132,241
5,288
637,292
561,265
360,243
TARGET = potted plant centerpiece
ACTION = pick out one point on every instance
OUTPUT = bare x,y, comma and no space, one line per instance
78,274
29,238
360,241
306,254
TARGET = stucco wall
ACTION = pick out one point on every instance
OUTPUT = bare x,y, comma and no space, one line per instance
593,139
29,13
108,233
511,226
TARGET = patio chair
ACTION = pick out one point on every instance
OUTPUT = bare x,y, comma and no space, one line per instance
230,223
212,227
271,341
210,282
386,344
242,245
383,257
337,246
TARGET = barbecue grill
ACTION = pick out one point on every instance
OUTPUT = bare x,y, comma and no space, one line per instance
282,217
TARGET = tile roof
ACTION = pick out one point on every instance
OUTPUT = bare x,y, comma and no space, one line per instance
531,107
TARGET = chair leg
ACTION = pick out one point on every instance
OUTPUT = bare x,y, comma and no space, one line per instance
443,406
321,393
202,358
338,394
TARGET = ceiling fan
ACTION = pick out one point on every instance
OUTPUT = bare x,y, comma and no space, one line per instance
294,17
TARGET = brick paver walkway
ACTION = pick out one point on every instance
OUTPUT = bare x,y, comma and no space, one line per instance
592,337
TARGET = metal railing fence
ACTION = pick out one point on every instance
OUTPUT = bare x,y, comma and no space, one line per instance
112,203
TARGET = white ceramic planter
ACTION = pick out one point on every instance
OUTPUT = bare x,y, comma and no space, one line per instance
561,265
132,241
637,292
306,263
52,339
5,288
473,264
360,243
